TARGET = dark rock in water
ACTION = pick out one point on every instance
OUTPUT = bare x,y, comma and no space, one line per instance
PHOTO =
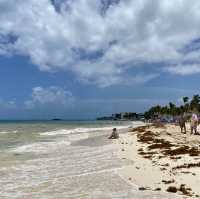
56,119
157,189
172,189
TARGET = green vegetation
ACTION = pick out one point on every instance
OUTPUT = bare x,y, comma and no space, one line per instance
173,110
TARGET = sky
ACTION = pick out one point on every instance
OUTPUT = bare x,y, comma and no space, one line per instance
82,59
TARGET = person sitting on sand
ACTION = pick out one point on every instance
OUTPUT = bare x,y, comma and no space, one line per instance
181,122
194,123
114,134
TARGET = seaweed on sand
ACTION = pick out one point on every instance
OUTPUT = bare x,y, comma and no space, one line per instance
146,137
160,144
187,166
147,155
139,129
182,151
172,189
168,181
182,189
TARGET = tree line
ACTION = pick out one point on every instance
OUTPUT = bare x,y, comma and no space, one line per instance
188,105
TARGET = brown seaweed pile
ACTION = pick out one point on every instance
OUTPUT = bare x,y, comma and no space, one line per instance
148,137
182,151
139,129
160,144
187,166
182,189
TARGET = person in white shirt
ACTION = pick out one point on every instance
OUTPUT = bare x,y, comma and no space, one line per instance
194,123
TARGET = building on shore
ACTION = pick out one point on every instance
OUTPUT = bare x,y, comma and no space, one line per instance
124,116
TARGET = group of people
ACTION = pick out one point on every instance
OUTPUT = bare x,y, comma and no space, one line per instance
193,123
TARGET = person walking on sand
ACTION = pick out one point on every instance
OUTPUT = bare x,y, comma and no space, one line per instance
194,123
181,122
114,134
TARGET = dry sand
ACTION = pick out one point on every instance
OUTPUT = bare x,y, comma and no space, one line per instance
163,159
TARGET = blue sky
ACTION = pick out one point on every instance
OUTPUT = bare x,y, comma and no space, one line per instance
82,59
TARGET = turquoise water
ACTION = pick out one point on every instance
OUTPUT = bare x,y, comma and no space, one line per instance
15,133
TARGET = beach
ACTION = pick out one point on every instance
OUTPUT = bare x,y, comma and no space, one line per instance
163,159
54,160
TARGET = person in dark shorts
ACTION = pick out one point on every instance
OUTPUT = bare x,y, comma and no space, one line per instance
182,121
114,134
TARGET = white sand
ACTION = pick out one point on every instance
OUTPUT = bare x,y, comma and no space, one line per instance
150,173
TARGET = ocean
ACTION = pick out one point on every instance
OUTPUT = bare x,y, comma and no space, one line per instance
63,160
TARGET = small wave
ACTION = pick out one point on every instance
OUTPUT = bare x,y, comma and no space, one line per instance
6,132
42,147
79,130
56,132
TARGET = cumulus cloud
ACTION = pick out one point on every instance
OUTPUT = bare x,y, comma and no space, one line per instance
50,96
184,69
98,40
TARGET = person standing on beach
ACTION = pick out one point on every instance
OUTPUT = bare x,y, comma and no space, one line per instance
194,123
181,122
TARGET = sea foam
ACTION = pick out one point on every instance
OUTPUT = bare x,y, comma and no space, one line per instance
6,132
42,147
79,130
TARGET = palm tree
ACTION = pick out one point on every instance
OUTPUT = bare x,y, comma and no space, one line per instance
185,100
195,102
186,104
165,110
172,108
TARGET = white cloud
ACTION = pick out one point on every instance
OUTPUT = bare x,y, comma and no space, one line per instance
50,96
184,69
11,104
129,32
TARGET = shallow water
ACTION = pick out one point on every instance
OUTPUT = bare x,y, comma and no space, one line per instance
60,160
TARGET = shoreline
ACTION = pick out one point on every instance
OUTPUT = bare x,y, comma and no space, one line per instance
163,160
92,164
